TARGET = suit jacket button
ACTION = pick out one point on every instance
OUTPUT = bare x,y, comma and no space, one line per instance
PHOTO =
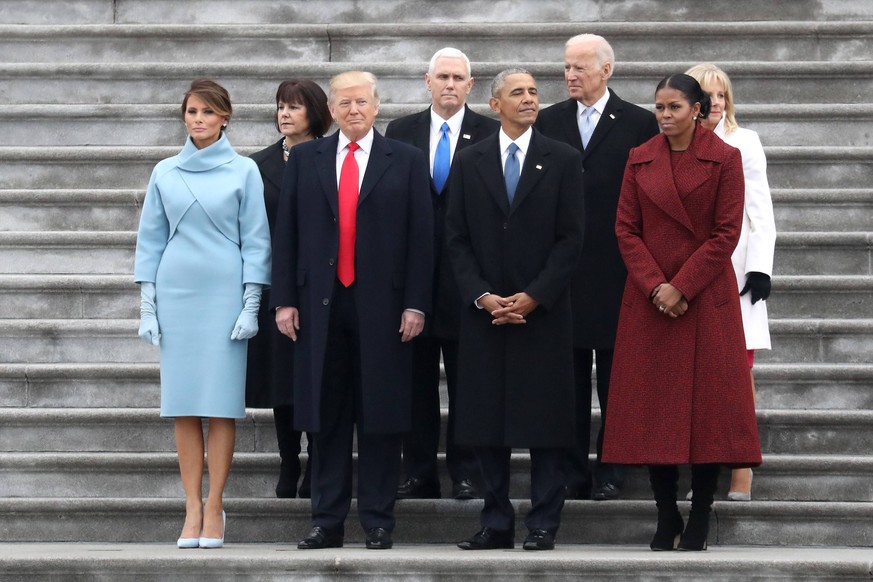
330,262
325,301
505,225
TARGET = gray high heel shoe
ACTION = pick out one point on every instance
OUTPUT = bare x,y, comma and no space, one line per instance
742,495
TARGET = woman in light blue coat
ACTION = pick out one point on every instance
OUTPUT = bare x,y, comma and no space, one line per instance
202,258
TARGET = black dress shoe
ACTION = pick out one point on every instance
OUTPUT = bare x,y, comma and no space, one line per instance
489,538
415,488
379,538
578,491
539,539
320,538
607,492
464,489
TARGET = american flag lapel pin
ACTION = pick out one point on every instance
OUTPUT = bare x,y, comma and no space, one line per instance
539,167
466,136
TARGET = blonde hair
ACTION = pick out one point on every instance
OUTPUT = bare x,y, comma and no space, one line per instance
707,74
352,79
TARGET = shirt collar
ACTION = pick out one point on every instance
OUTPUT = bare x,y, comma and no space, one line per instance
436,122
599,105
366,142
523,141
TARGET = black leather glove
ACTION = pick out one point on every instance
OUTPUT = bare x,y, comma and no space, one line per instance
759,284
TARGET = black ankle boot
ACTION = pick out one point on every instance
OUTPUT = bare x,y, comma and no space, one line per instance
669,530
664,480
704,479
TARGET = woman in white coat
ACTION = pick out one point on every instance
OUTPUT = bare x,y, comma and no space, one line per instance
753,257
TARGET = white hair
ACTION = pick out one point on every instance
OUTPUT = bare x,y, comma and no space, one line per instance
449,53
602,49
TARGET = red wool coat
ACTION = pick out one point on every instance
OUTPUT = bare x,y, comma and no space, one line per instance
680,390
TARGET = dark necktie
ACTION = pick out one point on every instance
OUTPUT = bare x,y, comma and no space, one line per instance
348,207
441,160
511,172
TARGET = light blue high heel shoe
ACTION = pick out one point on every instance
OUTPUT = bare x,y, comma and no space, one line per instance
185,543
215,542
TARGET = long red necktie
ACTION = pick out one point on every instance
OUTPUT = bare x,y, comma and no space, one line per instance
348,208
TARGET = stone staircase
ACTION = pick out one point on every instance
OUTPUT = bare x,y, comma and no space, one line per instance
90,102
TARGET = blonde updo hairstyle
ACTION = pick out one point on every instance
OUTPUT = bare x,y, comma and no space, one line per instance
706,74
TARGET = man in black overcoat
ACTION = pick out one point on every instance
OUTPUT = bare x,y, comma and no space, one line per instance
610,127
449,82
353,328
514,231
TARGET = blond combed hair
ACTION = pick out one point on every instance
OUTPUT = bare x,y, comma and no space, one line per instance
352,79
707,74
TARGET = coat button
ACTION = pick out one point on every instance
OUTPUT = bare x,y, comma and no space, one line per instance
505,225
325,301
334,219
330,262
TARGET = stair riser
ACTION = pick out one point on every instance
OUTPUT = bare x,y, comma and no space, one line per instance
85,348
808,348
85,259
403,11
258,481
260,132
822,394
69,304
73,217
800,304
634,83
834,217
288,521
101,173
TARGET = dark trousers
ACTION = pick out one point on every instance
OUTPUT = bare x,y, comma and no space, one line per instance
289,447
579,473
421,445
546,488
378,454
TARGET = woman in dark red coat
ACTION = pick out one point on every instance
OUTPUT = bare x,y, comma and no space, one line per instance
680,389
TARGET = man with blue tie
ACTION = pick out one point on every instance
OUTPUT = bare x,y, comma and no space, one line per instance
603,128
514,232
440,131
352,270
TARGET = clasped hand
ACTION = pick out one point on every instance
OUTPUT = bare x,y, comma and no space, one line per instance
669,300
508,310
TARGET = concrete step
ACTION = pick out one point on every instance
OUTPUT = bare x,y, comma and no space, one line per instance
73,252
797,209
819,340
405,11
823,253
76,296
80,385
91,296
34,430
254,475
129,167
253,124
73,340
484,41
401,81
823,210
118,385
157,562
814,386
833,297
443,521
54,210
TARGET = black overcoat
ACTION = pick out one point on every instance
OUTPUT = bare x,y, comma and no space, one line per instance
599,279
393,272
270,365
515,382
415,130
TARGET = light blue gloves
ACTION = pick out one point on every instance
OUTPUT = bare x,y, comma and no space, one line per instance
148,318
247,322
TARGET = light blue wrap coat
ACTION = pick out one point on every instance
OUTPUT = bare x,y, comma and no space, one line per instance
203,235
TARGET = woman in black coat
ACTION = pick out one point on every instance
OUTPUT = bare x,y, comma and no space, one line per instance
301,115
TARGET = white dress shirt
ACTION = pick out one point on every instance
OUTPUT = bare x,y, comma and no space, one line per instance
599,106
362,156
436,132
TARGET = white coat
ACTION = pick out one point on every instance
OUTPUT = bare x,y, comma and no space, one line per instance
757,243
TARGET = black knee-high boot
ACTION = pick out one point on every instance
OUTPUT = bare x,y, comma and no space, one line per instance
664,480
704,479
289,451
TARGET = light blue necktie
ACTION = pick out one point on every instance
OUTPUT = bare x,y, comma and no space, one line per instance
586,127
511,172
441,162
